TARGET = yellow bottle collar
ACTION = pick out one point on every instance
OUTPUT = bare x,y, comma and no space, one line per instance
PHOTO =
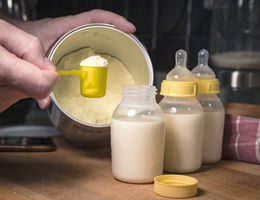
178,89
208,86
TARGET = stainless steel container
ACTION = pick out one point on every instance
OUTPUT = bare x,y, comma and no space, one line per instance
104,39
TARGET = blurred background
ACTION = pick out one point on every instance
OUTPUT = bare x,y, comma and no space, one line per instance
164,27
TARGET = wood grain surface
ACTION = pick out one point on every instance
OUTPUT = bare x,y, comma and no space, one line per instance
72,173
248,110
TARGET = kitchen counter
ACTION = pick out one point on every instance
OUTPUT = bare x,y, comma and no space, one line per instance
72,173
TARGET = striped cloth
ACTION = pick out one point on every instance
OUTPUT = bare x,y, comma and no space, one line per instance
242,139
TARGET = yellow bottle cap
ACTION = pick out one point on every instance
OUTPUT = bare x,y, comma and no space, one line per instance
208,86
178,88
176,186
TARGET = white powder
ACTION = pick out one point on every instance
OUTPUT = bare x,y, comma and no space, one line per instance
90,110
94,61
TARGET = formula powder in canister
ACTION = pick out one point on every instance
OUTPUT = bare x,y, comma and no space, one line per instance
91,110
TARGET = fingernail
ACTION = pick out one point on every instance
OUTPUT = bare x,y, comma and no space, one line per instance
132,26
49,63
44,103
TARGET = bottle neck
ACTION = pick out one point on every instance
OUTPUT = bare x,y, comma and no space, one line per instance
207,97
139,94
184,99
140,99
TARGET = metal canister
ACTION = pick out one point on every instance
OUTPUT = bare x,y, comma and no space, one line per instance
104,39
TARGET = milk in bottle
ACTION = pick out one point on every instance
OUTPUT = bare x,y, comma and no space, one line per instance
184,119
137,136
208,88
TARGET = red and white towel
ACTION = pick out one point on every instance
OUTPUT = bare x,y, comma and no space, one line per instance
242,139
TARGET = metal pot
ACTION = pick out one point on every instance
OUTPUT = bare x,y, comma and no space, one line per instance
107,39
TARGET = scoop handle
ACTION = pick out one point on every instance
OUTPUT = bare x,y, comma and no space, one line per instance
92,80
70,72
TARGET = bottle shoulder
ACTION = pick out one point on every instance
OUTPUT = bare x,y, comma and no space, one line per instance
211,103
181,105
138,112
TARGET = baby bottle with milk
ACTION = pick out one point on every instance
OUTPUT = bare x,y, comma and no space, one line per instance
184,119
137,136
208,88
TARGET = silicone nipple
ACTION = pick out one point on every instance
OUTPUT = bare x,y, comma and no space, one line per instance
180,71
202,70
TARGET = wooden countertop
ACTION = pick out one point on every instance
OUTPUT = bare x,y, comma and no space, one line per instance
71,173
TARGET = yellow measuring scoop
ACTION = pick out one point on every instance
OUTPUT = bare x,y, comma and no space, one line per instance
92,80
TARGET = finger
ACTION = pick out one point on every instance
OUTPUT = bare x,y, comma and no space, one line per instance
23,45
44,103
26,77
102,16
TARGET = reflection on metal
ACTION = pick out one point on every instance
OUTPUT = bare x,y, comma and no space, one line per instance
236,79
20,9
10,6
24,14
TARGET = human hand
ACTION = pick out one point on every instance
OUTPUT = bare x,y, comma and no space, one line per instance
49,30
24,70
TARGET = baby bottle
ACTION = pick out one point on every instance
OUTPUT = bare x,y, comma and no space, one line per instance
208,88
184,119
137,136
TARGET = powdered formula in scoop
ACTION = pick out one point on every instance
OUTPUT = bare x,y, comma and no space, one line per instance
94,61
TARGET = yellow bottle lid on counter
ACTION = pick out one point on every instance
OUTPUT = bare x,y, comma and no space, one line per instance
175,186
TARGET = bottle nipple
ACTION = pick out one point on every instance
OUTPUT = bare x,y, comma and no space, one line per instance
180,71
181,58
202,70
